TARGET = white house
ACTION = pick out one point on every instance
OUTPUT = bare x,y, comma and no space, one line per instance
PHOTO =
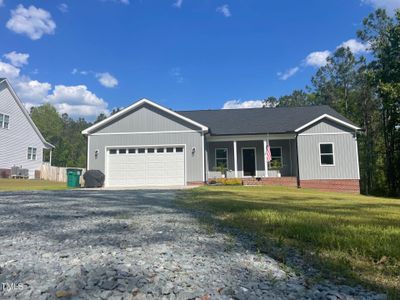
21,143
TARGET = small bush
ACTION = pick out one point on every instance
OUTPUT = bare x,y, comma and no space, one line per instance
229,181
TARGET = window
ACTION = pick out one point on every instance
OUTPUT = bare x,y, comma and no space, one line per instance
113,151
150,150
169,150
4,121
141,150
131,151
276,156
122,151
221,157
32,153
326,154
160,150
179,149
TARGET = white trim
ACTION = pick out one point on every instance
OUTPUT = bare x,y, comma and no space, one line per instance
330,118
136,104
325,133
88,153
146,132
255,161
25,112
203,156
333,154
255,137
358,163
227,156
235,158
265,159
106,148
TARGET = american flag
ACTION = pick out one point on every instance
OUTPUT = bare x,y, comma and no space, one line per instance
268,154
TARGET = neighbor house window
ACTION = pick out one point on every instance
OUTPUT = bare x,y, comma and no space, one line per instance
221,157
4,121
326,154
32,153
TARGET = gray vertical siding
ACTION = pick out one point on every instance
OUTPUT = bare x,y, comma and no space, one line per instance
327,126
148,126
20,135
345,153
194,164
144,119
288,155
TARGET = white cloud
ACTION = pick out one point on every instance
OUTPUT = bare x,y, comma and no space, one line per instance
245,104
287,74
177,74
355,46
1,3
317,58
63,7
178,3
32,91
77,101
17,59
8,70
106,79
33,22
224,10
389,5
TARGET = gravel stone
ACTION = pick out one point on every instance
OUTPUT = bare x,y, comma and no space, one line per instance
139,245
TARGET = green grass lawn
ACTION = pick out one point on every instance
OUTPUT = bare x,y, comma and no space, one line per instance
346,236
30,185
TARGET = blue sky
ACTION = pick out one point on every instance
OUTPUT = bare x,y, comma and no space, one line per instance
90,56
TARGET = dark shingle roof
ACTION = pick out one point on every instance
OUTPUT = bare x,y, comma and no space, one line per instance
259,120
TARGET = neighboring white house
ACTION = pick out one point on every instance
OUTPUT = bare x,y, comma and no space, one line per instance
21,143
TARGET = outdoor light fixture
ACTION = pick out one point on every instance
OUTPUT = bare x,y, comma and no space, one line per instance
96,154
193,150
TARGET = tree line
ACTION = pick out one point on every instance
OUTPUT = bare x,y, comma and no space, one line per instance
366,90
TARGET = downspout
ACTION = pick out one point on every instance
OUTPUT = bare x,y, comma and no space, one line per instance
297,162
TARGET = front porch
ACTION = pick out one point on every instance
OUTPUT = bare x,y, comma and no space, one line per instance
245,157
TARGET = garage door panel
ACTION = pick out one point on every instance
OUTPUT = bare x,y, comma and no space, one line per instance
153,168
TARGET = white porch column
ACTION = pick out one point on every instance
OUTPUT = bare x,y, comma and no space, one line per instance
235,158
265,158
51,153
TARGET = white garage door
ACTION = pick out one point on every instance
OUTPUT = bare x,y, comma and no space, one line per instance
145,166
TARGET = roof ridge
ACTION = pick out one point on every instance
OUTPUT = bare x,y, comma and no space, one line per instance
254,108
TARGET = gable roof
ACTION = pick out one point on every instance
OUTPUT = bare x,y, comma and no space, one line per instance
25,112
265,120
137,104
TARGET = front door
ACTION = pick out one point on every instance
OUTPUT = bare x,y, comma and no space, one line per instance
249,162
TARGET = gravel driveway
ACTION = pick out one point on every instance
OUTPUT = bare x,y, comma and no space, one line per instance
134,245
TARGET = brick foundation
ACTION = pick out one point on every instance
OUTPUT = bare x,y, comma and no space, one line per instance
280,181
329,185
333,185
5,173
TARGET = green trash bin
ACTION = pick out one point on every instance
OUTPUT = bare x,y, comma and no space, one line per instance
73,176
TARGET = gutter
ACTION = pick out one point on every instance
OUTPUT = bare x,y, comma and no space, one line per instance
297,162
